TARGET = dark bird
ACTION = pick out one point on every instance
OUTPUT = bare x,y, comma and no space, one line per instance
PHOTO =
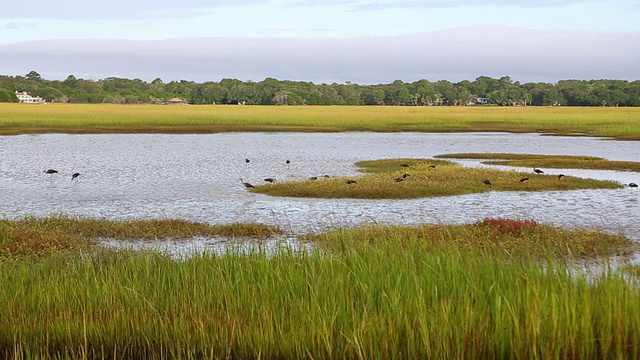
351,181
633,185
271,180
400,179
246,184
432,166
561,176
538,171
51,171
524,179
487,182
75,176
404,165
287,162
246,161
326,176
313,178
405,175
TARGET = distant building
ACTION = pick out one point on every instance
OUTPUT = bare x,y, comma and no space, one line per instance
176,101
25,98
482,101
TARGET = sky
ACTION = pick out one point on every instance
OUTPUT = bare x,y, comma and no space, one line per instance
358,41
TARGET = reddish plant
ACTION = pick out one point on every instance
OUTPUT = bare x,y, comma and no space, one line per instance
508,226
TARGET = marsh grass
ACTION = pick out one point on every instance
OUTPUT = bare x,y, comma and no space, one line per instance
45,236
492,236
390,297
547,161
619,123
446,178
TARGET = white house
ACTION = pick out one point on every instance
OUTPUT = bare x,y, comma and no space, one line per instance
24,97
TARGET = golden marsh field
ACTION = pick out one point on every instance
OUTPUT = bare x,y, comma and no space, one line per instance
619,123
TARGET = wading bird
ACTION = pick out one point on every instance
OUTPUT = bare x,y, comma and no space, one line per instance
524,179
51,171
246,184
271,180
633,185
246,161
538,171
432,166
486,182
400,179
75,176
313,178
351,181
561,176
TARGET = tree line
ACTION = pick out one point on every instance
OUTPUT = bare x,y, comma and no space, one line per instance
483,90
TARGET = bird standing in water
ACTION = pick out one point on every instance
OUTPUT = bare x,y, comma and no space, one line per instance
246,184
75,176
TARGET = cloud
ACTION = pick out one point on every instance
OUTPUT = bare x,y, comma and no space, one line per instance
455,55
122,9
367,5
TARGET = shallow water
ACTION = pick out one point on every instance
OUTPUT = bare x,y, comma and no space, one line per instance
196,177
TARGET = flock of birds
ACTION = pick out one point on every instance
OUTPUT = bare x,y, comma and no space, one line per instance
538,171
272,180
401,178
247,185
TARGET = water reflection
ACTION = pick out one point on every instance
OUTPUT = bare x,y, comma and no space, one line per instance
196,177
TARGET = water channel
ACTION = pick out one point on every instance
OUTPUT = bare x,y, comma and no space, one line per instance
196,177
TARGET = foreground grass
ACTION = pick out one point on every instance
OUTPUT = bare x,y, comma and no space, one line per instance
414,178
33,237
378,293
619,123
547,161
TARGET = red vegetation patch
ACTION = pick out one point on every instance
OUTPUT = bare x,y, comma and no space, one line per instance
508,226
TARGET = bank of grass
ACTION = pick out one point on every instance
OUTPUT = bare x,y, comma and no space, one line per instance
493,236
399,292
35,237
547,161
619,123
415,178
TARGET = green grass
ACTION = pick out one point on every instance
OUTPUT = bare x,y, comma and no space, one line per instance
34,237
547,161
444,179
495,237
397,296
619,123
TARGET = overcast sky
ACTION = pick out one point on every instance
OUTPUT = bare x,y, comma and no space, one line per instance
362,41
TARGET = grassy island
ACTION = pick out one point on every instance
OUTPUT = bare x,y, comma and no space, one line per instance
414,178
547,161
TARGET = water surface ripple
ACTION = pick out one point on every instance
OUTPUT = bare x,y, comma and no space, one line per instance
196,177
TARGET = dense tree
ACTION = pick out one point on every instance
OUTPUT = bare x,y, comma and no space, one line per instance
502,92
8,96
